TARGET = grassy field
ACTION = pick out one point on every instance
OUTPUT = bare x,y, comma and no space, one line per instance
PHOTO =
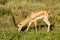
13,11
12,34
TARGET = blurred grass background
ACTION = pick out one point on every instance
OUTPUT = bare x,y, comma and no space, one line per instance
13,11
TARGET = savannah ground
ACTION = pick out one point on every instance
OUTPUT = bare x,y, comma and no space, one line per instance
13,11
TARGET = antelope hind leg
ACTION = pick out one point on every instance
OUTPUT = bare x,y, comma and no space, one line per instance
48,23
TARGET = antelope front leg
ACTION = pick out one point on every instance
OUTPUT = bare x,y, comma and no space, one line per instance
28,26
35,25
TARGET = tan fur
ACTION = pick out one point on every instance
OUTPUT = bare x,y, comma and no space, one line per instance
32,17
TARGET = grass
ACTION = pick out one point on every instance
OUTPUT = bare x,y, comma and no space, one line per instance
10,33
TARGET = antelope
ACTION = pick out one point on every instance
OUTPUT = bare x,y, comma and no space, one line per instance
32,17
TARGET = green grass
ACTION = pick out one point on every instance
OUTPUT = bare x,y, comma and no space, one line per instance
10,33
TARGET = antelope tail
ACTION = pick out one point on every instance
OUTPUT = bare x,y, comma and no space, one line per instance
49,12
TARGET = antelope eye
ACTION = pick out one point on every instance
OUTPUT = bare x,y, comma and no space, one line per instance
19,24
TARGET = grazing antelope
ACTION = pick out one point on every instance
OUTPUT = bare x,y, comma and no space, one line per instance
42,14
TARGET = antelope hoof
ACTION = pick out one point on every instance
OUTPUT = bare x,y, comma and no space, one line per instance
48,30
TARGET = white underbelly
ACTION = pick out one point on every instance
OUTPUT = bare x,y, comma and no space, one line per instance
38,18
